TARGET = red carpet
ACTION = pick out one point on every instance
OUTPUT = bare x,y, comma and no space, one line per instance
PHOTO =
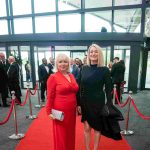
39,137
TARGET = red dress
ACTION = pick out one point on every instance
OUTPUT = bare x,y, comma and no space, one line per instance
61,95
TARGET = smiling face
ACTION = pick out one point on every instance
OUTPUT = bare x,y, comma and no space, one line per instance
63,63
93,54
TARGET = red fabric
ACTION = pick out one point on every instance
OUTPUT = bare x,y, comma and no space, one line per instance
61,95
39,137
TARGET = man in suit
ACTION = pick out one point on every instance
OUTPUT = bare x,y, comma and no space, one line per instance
14,77
3,81
44,71
117,73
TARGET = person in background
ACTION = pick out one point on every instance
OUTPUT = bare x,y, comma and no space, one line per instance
3,82
44,72
14,77
85,60
74,69
28,71
61,95
95,82
51,63
117,73
110,65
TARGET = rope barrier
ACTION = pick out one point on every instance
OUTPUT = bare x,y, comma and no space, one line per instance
9,114
36,87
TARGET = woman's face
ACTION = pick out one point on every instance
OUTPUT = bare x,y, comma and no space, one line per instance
93,54
63,65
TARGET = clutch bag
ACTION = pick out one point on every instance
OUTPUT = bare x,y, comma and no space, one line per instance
59,115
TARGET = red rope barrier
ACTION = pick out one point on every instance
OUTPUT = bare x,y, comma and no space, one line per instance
137,111
25,100
9,114
36,87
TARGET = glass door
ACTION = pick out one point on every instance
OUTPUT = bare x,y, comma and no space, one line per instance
147,83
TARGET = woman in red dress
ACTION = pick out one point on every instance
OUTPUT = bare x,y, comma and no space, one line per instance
61,95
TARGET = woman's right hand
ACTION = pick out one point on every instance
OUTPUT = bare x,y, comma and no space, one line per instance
79,110
51,116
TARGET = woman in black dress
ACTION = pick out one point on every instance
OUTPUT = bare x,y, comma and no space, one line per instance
95,83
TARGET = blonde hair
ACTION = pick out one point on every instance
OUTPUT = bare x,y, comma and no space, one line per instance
100,55
62,57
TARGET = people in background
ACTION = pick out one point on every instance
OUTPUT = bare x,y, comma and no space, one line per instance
95,83
110,65
44,72
3,81
51,63
28,71
61,95
85,60
117,73
14,77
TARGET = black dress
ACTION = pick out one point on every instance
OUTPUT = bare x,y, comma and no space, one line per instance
95,84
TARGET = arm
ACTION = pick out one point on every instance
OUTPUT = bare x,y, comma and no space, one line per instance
108,85
51,90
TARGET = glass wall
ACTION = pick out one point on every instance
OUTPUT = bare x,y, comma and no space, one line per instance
147,84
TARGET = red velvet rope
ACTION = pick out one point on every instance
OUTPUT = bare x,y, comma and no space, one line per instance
25,100
9,114
36,87
137,111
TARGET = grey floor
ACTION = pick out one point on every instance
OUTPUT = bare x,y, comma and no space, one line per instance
140,140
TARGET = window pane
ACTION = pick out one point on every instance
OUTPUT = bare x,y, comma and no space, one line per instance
147,85
21,7
44,6
127,2
3,27
94,21
147,22
128,20
45,24
62,52
2,8
69,5
70,23
23,25
70,48
97,3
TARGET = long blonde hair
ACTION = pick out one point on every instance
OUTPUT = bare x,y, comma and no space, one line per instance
100,55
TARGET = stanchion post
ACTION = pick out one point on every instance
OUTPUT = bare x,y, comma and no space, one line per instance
114,94
126,131
17,135
39,105
31,116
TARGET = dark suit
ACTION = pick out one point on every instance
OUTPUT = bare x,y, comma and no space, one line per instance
75,71
3,84
13,80
117,73
43,76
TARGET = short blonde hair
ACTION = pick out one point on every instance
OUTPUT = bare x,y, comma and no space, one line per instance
62,57
100,56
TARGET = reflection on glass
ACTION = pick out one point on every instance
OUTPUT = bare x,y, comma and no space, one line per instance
95,21
128,20
69,5
3,27
106,54
23,25
70,23
123,52
97,3
147,84
147,22
46,24
2,8
41,6
21,7
127,2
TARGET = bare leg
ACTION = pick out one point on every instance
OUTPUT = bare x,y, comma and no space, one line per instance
97,136
87,135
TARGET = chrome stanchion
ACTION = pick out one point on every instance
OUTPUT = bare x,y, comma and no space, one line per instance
31,116
39,105
126,131
17,135
114,94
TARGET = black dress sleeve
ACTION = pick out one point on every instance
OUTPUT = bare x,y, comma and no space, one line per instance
108,85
